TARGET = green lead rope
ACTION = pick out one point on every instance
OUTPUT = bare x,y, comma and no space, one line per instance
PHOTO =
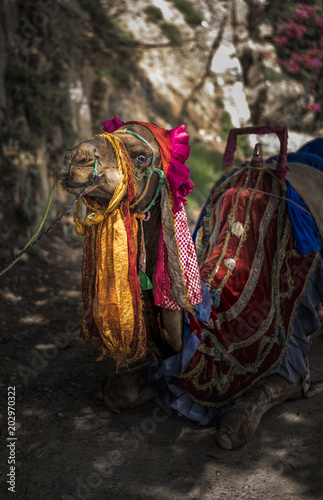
34,236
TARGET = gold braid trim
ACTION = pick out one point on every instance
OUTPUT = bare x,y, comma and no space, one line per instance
231,220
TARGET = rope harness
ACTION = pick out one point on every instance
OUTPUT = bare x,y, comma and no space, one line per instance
148,173
97,215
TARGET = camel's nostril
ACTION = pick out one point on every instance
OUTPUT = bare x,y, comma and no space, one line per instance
62,173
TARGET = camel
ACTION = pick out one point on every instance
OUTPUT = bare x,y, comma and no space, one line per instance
211,321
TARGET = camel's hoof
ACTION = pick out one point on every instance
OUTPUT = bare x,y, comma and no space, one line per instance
236,429
224,441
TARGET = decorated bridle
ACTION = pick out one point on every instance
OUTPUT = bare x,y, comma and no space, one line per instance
124,164
148,174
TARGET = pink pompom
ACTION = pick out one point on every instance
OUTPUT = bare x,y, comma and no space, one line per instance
112,125
178,173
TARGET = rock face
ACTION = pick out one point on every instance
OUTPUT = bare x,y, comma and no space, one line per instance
66,66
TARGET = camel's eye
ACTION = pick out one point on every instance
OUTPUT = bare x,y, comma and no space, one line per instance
143,158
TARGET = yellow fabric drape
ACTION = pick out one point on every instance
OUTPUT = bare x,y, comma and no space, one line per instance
113,306
116,302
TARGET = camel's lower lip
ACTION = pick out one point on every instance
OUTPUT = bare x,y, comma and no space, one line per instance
92,190
72,186
76,185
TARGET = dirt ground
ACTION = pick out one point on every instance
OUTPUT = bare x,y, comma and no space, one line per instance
69,446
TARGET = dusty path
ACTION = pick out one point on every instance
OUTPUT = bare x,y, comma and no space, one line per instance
69,446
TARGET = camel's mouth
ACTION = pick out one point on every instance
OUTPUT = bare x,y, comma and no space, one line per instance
101,197
94,191
73,186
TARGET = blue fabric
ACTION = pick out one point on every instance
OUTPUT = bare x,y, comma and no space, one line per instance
314,147
292,365
177,364
198,224
307,236
173,396
304,158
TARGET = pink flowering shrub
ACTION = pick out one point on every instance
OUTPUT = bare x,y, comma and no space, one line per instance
316,108
307,8
301,14
299,41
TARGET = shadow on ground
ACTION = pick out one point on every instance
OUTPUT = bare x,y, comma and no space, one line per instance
69,446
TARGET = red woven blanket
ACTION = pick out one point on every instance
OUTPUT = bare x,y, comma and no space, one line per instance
256,279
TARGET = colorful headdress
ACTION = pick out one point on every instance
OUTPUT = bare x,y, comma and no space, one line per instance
115,319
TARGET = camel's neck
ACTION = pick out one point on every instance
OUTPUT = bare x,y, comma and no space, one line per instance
163,327
151,234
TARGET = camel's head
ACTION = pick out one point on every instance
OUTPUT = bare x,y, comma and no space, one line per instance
79,163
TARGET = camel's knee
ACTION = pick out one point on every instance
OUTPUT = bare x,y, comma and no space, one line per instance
124,391
239,424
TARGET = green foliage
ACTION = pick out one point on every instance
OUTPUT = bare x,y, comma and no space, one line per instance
191,16
154,14
161,110
226,125
34,142
170,31
219,103
274,76
70,140
110,32
117,75
244,147
106,74
62,33
37,93
15,137
88,44
242,141
206,167
274,14
97,14
28,207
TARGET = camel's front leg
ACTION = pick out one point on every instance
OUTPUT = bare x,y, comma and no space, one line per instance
238,425
172,328
125,390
